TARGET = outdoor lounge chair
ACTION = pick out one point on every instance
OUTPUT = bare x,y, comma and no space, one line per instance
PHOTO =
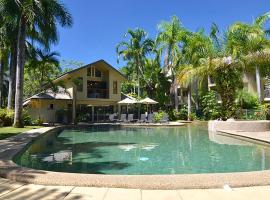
150,118
123,118
143,118
112,117
130,118
165,118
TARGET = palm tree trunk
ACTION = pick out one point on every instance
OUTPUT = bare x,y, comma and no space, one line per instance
12,76
189,103
18,121
197,94
258,83
74,105
1,80
176,99
138,77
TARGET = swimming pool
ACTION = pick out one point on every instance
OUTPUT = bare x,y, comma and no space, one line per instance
142,151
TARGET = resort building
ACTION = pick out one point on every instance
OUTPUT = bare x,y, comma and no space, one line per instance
88,93
249,83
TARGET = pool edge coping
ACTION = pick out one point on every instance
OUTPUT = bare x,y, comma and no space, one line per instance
14,172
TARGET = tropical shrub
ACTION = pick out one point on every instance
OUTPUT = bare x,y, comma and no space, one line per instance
183,112
228,81
266,110
27,120
210,106
247,100
158,116
173,115
37,122
6,117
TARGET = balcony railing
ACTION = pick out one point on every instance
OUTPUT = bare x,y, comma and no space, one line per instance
98,93
267,93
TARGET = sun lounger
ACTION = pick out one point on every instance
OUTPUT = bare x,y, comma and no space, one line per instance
112,117
150,118
130,118
123,118
143,118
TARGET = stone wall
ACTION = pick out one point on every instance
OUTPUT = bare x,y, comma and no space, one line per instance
249,126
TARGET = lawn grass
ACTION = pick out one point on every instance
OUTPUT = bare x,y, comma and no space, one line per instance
9,131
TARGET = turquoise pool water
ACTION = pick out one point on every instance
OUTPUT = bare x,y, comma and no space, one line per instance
115,150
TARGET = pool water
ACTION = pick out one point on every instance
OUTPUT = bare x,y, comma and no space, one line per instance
119,150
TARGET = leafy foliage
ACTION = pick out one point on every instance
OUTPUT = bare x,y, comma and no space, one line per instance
228,81
7,117
211,108
183,112
41,70
159,116
247,100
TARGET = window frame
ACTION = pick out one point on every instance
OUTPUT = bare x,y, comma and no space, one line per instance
81,85
115,87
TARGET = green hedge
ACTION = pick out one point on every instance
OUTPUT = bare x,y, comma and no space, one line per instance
7,118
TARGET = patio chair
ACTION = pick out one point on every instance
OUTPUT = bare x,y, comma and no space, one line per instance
130,118
143,118
112,117
123,118
150,118
165,118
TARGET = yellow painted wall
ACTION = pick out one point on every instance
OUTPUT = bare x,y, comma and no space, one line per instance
39,109
109,75
249,81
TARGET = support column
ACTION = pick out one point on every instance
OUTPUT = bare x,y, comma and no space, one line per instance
74,104
258,82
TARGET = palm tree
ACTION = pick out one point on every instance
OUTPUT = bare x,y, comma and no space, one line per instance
4,52
135,50
197,47
45,66
170,37
8,37
35,17
248,41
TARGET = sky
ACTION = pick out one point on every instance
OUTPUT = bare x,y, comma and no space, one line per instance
99,25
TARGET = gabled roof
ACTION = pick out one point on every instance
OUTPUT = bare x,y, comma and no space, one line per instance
61,94
88,65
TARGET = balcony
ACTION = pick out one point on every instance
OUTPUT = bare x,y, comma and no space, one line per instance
267,94
98,93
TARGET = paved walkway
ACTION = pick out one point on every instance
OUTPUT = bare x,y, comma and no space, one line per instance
10,190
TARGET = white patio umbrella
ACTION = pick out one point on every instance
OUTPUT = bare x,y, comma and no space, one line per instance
127,102
148,101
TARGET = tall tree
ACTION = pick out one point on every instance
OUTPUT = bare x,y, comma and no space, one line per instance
37,17
247,42
197,46
135,50
171,35
4,45
40,71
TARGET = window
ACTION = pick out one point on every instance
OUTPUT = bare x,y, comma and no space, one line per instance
94,72
50,107
89,71
97,73
115,87
80,84
97,89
